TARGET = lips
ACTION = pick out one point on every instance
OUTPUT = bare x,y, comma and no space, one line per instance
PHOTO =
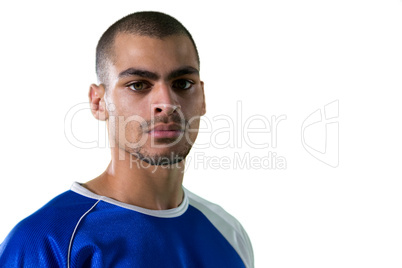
166,131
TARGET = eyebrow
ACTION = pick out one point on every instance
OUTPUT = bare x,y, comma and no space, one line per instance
138,72
154,76
183,71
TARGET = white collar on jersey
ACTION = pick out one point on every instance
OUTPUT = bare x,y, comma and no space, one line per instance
168,213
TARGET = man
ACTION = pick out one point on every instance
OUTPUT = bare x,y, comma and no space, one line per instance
136,213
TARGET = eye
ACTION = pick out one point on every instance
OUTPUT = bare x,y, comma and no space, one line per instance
138,86
182,84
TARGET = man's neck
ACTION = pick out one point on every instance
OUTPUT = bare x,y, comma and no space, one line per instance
139,183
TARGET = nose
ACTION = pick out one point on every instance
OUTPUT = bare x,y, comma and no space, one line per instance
164,100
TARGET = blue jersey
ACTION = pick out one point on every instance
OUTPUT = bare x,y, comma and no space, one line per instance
81,229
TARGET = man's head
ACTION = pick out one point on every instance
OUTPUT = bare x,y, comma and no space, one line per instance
150,92
145,23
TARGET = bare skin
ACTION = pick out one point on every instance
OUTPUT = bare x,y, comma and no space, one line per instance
173,90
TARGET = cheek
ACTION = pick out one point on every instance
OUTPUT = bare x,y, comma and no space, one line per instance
125,124
132,131
193,106
192,129
125,129
128,105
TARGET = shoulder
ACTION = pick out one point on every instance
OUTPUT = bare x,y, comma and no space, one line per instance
213,211
57,214
227,225
42,238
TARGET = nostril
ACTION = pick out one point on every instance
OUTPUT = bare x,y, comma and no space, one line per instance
158,110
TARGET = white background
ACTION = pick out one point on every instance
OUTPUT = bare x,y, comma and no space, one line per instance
278,58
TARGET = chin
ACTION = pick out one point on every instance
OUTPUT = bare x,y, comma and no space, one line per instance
162,156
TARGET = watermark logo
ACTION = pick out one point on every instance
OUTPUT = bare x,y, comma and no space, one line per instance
320,134
249,141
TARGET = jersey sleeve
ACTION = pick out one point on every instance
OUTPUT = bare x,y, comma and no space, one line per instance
228,225
25,247
42,239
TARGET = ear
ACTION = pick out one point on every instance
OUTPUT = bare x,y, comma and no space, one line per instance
204,106
97,102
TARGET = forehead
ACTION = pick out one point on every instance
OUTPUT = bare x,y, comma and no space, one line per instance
156,54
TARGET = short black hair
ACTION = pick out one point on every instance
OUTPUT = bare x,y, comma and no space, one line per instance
144,23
